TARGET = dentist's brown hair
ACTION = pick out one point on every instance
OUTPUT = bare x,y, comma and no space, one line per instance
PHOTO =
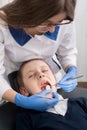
30,13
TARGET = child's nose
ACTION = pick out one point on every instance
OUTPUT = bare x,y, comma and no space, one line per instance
41,75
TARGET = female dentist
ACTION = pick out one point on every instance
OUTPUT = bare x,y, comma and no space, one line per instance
37,29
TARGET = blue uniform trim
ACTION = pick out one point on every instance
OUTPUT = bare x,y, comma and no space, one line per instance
20,36
53,35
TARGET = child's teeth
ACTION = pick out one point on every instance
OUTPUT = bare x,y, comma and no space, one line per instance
48,87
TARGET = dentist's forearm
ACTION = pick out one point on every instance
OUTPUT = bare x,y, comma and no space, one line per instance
9,95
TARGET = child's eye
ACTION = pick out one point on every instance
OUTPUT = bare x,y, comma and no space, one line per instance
44,71
30,76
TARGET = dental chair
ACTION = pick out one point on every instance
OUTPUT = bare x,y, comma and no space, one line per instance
8,110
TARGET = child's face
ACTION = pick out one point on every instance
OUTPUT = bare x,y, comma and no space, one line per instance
36,76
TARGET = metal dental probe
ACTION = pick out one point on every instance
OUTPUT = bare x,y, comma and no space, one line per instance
77,77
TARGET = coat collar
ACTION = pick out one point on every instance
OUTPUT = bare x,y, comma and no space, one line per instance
54,34
21,37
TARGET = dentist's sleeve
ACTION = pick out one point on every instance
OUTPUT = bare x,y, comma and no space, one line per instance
4,85
66,54
67,50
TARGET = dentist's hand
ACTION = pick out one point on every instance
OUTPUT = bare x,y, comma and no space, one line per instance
37,102
65,83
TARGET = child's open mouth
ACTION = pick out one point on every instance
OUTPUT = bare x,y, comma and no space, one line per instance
46,86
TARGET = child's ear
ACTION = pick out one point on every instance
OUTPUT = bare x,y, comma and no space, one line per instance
23,91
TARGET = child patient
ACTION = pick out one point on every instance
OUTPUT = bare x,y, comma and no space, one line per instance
35,76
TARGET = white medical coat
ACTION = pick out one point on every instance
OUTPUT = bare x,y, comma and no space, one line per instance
16,47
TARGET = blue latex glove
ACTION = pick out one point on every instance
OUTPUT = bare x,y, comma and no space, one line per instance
37,101
65,83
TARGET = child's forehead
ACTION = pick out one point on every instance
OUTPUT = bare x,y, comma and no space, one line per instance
34,64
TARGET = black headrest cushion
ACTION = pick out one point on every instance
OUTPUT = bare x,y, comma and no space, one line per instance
13,80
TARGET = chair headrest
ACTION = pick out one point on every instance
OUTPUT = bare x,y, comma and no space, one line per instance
13,80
